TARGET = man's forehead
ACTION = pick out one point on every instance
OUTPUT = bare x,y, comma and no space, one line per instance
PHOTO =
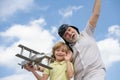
69,28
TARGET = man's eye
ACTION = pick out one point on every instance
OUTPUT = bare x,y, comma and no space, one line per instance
66,34
69,29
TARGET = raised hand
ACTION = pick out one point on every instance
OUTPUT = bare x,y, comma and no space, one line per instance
68,56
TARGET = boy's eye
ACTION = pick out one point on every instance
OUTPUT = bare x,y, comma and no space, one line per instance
57,50
60,50
63,50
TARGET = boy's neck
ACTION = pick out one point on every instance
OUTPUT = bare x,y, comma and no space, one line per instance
59,60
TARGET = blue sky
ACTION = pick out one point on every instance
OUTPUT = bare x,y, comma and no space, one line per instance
34,23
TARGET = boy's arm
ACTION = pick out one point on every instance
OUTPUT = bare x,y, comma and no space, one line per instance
33,70
95,13
44,77
70,70
69,65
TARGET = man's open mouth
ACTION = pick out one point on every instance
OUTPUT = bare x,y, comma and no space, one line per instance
73,36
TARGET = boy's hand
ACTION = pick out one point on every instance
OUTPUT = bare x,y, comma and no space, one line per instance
29,67
68,56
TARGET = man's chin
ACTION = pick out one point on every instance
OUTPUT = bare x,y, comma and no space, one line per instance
74,39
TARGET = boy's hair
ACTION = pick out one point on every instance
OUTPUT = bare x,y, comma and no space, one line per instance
56,46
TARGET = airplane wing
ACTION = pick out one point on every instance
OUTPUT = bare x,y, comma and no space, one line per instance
28,49
43,65
23,57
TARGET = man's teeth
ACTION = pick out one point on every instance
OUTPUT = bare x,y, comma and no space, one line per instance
73,35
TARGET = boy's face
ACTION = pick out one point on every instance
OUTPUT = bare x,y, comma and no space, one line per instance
70,35
60,53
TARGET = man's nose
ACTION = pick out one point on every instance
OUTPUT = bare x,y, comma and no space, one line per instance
69,32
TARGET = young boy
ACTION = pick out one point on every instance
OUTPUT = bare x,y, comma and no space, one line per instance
62,66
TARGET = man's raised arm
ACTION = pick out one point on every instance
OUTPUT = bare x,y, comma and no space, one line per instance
96,13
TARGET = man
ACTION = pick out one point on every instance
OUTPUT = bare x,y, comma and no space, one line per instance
86,56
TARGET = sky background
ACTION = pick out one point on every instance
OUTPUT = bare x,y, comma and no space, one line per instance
34,23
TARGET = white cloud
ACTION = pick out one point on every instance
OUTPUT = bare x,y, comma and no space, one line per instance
110,47
69,11
32,35
42,8
54,29
22,76
9,7
114,30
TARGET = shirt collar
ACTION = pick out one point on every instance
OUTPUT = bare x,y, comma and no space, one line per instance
62,62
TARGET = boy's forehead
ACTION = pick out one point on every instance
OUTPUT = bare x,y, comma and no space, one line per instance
61,47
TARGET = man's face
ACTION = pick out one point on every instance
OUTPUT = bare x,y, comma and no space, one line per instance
70,35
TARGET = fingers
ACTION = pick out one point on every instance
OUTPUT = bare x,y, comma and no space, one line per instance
28,67
68,56
69,53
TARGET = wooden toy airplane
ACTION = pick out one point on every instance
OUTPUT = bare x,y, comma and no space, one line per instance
35,58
